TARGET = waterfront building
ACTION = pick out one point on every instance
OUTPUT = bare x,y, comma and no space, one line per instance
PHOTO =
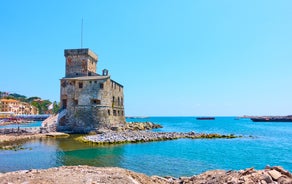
17,107
92,101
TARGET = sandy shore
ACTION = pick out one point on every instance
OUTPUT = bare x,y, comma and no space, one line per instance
113,175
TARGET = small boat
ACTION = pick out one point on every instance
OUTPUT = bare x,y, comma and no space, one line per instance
205,118
272,119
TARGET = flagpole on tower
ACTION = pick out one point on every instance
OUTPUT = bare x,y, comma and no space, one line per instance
82,32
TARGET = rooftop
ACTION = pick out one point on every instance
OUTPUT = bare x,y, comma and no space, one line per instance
86,51
86,78
8,100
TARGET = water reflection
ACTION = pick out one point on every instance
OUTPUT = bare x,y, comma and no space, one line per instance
77,153
270,144
51,152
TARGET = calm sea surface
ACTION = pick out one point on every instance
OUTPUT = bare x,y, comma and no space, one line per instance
23,125
263,144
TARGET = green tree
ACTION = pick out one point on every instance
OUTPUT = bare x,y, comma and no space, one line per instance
31,99
56,107
42,106
19,97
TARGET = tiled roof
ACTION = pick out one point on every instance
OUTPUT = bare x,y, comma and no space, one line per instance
8,100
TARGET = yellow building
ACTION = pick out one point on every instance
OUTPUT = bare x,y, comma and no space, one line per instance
17,107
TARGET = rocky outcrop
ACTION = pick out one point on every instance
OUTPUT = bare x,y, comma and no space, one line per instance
115,137
110,175
137,126
76,174
270,175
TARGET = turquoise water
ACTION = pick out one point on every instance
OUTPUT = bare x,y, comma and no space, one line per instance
23,125
269,144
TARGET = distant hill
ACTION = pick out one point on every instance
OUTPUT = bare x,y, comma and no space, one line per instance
42,105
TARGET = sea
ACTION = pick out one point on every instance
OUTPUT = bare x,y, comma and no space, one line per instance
261,144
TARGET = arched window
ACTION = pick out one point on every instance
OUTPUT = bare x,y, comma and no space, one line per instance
113,102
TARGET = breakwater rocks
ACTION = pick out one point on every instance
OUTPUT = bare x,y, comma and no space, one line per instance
136,126
113,175
270,175
113,137
141,126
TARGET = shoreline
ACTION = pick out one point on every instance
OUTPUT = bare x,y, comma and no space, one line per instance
8,141
91,174
15,122
112,175
123,137
133,132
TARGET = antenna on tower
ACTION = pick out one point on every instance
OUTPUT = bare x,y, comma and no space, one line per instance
82,32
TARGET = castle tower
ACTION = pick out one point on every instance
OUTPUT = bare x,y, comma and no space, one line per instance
92,101
80,62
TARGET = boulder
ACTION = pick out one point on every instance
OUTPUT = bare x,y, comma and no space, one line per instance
275,174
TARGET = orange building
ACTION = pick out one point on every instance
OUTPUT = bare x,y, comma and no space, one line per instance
17,107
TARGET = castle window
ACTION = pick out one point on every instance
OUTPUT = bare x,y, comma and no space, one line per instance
80,85
113,100
64,103
75,102
109,112
114,112
95,101
64,84
101,85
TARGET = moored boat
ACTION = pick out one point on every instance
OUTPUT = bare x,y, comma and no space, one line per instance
205,118
272,119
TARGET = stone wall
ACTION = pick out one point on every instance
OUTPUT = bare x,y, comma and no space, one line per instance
80,62
92,103
34,130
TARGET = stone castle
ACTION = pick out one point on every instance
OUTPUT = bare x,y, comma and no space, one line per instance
91,101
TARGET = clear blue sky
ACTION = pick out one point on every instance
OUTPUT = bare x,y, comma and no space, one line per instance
174,57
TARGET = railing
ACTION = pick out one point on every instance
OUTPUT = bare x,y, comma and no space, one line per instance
50,124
